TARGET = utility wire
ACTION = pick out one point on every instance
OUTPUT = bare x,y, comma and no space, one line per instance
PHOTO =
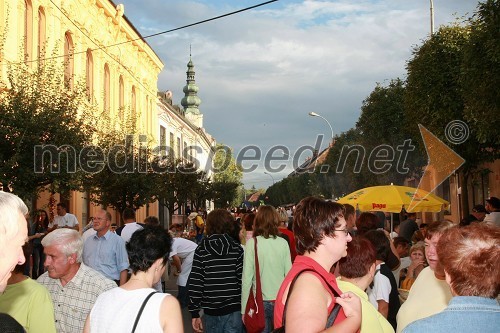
149,36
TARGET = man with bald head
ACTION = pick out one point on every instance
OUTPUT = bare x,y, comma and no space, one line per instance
105,251
13,235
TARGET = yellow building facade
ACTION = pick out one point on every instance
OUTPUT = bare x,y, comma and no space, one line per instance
100,47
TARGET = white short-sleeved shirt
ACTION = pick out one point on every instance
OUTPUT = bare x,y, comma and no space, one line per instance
129,229
381,289
182,247
68,220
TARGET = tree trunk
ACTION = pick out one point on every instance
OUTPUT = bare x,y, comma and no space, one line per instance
464,198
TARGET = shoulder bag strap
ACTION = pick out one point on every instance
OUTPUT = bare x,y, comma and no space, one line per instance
336,307
258,287
141,309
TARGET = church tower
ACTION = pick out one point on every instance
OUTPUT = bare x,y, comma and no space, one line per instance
191,101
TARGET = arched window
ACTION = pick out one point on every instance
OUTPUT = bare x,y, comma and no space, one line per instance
28,31
121,97
42,37
89,75
133,102
106,88
68,59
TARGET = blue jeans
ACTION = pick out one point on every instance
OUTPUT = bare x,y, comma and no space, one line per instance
269,312
183,296
230,323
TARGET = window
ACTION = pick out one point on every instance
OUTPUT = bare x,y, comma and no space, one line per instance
133,103
171,143
28,31
90,75
42,37
68,59
178,148
106,88
121,97
163,140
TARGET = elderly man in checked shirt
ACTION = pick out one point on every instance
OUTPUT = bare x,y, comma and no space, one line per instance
73,286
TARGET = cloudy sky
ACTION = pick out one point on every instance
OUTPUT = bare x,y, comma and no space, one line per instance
262,71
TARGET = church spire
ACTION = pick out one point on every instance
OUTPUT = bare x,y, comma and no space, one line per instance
190,101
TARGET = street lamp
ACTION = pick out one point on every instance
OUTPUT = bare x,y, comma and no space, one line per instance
314,114
432,17
267,173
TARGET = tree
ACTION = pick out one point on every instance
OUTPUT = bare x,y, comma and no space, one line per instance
382,126
176,182
43,128
227,177
481,72
434,98
126,179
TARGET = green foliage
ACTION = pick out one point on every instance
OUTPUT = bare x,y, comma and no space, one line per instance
38,110
227,177
176,182
481,73
435,97
126,178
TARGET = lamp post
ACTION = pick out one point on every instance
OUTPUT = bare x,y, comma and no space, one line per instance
267,173
432,17
314,114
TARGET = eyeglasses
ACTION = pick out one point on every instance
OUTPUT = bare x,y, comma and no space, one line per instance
344,230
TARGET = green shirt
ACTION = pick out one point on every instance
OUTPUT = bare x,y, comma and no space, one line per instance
30,304
274,264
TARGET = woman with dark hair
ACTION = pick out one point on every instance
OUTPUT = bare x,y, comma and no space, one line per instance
117,309
366,222
215,279
357,270
248,220
38,230
470,257
321,237
273,254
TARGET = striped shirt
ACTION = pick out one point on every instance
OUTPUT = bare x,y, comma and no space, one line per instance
215,279
73,302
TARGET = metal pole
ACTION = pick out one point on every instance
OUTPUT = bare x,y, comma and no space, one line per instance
314,114
432,17
267,173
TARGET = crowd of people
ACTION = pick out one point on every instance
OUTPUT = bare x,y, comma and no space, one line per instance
323,267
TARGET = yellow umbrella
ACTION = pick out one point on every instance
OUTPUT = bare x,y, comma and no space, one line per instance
393,198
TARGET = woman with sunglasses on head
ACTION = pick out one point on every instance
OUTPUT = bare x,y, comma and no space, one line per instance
321,237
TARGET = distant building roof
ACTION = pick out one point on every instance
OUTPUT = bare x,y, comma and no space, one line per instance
255,197
310,164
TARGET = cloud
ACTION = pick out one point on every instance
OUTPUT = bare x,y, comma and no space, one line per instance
260,72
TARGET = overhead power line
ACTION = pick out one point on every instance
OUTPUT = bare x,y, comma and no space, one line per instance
152,35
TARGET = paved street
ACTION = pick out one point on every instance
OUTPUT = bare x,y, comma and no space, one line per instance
171,288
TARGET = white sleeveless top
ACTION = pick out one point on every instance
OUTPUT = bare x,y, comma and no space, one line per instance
115,311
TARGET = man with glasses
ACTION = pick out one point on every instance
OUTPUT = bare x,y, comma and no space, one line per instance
105,251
